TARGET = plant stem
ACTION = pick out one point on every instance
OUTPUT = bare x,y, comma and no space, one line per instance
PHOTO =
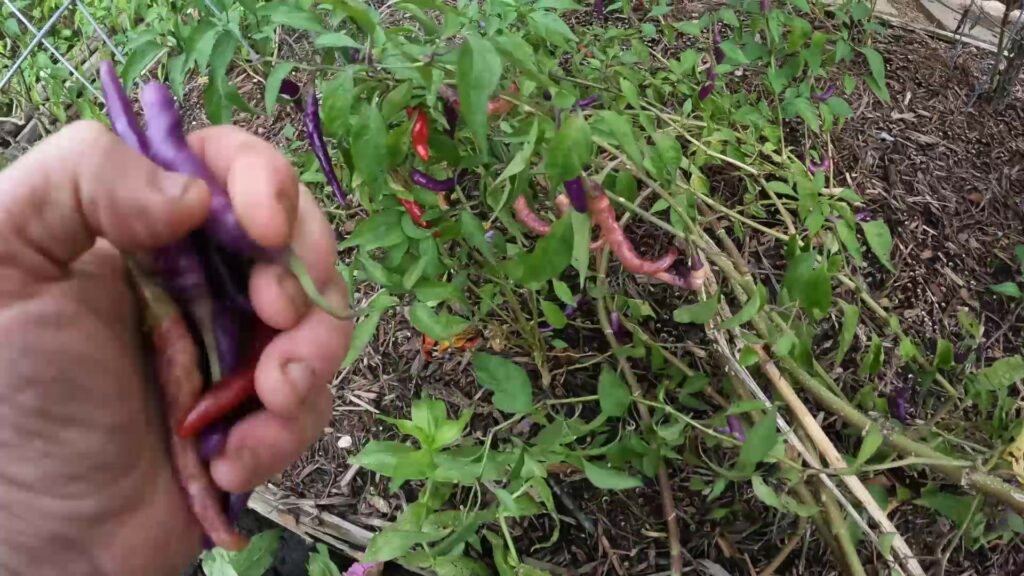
668,506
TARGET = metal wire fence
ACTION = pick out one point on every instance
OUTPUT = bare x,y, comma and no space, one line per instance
39,37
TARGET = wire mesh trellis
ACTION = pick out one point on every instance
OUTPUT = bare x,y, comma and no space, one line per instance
39,37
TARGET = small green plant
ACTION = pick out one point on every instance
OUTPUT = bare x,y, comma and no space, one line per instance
1011,289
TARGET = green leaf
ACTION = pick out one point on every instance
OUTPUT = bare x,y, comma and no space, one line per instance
746,314
222,53
273,88
943,354
258,556
522,158
442,326
761,440
871,362
629,91
367,327
215,102
336,103
872,441
885,540
370,153
621,132
1018,251
764,492
320,563
1009,289
698,313
473,232
550,27
513,392
479,70
139,58
200,41
668,157
955,507
336,40
809,283
548,259
733,54
609,478
748,356
391,543
1001,374
848,236
613,393
177,68
851,316
563,292
553,314
287,15
378,231
875,63
879,240
383,457
569,150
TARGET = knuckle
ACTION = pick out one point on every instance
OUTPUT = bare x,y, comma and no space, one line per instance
87,133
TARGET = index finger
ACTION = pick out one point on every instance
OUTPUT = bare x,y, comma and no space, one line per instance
262,184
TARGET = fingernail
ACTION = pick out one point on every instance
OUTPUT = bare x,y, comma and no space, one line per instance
301,377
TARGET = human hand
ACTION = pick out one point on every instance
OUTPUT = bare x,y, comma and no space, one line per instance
86,483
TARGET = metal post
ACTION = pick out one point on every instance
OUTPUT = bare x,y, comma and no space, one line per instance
35,42
99,30
50,47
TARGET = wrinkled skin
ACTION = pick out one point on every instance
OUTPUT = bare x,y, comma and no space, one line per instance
86,485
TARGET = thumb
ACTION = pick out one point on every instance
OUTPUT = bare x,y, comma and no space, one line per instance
83,183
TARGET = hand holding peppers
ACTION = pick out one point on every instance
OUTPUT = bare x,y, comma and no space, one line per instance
84,446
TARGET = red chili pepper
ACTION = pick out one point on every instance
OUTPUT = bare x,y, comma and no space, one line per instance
415,212
421,134
228,394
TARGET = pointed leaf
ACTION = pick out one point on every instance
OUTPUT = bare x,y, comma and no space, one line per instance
613,393
609,478
879,240
509,382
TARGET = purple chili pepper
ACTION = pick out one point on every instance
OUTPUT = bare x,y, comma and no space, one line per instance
863,216
824,94
451,115
766,5
736,427
490,234
212,440
546,94
618,330
899,401
584,103
599,9
716,43
315,135
577,195
236,505
823,166
706,90
424,180
290,91
571,309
